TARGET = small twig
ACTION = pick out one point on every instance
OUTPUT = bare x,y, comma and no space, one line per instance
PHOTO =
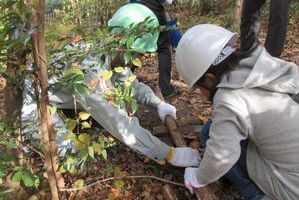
36,151
32,149
40,56
115,178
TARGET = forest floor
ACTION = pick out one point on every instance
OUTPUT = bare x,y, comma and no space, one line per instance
192,108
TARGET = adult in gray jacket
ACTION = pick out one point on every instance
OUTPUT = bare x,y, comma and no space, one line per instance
254,135
115,119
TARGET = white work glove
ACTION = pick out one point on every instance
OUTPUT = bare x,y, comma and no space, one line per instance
184,157
166,109
190,178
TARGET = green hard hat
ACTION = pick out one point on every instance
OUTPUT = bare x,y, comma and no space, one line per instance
135,13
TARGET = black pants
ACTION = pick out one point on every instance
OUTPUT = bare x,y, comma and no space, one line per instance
164,55
277,27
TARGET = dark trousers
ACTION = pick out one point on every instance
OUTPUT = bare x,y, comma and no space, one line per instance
164,55
164,63
277,27
238,174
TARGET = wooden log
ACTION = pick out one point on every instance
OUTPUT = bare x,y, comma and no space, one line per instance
176,136
183,129
208,192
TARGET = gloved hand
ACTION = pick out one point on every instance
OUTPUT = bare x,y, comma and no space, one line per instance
184,157
190,179
166,109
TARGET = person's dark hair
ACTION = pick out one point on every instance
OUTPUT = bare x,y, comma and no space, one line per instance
222,68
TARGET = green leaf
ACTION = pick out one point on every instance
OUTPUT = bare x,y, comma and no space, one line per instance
17,176
84,115
134,105
79,145
91,151
101,140
84,153
131,78
130,41
116,170
132,92
28,179
71,124
97,148
70,160
109,170
137,62
53,109
72,169
119,184
84,137
69,136
79,183
1,127
81,89
119,69
3,171
72,70
107,74
104,154
62,169
36,181
127,56
85,125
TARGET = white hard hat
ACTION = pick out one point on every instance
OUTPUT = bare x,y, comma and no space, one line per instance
200,47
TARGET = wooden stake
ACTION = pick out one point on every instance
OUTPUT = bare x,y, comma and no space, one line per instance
174,132
208,192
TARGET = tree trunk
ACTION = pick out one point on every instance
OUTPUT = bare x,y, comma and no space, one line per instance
39,53
13,97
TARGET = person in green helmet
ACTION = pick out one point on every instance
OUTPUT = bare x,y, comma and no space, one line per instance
133,14
164,44
115,119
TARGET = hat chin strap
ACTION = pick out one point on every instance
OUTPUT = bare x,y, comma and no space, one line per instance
226,51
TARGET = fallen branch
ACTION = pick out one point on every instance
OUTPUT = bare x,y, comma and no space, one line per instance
121,177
